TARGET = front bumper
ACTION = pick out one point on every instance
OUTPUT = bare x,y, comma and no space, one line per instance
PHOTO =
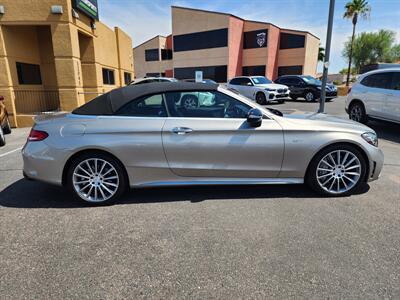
375,164
276,95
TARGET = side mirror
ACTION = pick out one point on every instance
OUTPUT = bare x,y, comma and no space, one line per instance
254,117
249,84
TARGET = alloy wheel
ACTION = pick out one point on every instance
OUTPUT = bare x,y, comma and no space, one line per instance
95,180
356,113
309,96
190,103
338,171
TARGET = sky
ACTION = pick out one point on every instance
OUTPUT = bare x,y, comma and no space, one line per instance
144,19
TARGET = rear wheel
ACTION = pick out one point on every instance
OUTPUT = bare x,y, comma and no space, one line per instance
97,178
338,170
7,128
2,137
260,99
357,113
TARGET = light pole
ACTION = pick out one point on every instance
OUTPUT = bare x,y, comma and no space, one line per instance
326,58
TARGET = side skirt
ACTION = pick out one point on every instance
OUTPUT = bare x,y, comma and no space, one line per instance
250,181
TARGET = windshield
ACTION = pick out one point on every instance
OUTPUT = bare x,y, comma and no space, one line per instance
311,80
260,80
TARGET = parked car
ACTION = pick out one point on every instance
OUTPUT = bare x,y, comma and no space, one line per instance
140,136
5,127
307,87
152,79
259,88
204,80
376,95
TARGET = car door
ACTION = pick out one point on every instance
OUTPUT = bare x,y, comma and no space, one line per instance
392,104
375,95
216,141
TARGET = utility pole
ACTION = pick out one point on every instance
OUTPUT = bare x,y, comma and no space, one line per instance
326,58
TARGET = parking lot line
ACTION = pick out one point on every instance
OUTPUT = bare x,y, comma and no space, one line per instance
9,152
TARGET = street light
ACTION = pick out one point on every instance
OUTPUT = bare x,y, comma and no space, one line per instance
326,58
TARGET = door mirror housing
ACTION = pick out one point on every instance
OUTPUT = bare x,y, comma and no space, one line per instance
249,84
254,117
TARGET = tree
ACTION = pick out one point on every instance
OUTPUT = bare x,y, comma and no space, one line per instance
321,53
372,47
344,71
354,9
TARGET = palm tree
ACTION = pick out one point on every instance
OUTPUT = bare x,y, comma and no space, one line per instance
354,9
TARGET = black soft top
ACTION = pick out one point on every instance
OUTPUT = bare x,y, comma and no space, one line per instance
109,103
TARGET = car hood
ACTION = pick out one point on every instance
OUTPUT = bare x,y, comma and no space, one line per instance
324,121
272,86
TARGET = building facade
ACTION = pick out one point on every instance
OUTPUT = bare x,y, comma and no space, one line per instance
57,55
223,46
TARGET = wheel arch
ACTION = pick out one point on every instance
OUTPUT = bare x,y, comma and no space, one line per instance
85,151
357,100
348,143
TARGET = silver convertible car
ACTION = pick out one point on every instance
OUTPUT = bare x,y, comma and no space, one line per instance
143,136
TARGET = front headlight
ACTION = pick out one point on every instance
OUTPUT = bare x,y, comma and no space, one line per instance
270,90
370,138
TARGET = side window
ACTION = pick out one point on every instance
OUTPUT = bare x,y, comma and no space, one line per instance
235,81
378,80
205,104
147,106
396,81
246,82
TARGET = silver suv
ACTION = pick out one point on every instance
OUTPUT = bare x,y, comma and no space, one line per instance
376,95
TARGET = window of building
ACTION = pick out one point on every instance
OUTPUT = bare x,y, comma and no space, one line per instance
127,77
290,41
378,80
253,71
151,55
166,54
108,76
255,39
290,70
201,40
216,73
28,73
204,104
152,74
147,106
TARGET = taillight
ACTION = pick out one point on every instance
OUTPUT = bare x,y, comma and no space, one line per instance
37,135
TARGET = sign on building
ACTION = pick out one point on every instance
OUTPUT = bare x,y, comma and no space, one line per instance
199,76
88,7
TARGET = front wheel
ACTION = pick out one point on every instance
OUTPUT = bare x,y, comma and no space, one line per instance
310,96
97,178
260,99
338,170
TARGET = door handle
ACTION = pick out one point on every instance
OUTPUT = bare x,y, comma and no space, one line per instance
181,130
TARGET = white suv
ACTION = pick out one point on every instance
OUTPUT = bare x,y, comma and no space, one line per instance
259,88
376,95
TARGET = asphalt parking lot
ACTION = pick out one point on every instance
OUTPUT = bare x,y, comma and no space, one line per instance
199,242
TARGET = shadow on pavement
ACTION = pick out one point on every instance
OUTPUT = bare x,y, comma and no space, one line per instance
386,130
31,194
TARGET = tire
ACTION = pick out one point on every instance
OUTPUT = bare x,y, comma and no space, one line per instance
190,101
95,190
324,171
7,128
310,96
2,138
357,113
260,98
